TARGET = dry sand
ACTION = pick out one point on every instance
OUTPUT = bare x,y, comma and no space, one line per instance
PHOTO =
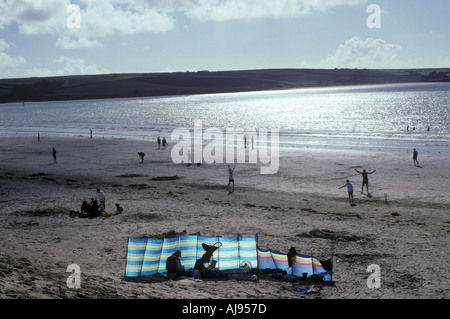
300,206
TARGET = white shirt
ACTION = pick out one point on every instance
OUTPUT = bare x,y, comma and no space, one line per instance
101,196
349,187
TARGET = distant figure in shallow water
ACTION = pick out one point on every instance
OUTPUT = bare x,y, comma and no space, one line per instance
54,155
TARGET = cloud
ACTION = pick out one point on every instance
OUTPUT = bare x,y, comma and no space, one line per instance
99,18
358,53
8,63
226,10
66,66
67,42
103,18
71,66
36,16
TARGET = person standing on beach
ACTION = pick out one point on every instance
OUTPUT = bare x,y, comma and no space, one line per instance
350,192
164,143
158,140
230,176
54,155
415,154
365,180
39,138
101,198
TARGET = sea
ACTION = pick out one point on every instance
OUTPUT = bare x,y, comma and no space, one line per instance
364,118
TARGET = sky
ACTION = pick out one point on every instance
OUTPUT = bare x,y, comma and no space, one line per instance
40,38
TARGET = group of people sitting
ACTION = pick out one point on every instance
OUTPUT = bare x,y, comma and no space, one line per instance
95,208
176,270
91,209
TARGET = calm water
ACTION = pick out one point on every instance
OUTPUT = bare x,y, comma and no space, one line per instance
350,118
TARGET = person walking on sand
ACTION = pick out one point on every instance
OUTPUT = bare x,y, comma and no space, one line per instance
231,177
54,155
158,140
350,192
365,180
415,154
164,143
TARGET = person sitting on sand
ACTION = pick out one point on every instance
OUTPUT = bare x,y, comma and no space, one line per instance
85,207
173,265
206,272
365,180
119,210
95,209
350,192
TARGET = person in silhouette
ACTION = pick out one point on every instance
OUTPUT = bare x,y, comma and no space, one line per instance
415,154
231,177
173,265
350,192
365,180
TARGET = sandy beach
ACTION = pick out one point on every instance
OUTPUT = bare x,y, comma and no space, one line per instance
301,205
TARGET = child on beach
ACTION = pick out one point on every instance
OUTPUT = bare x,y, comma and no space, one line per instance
350,192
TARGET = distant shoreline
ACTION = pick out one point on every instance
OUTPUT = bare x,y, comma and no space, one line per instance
103,86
